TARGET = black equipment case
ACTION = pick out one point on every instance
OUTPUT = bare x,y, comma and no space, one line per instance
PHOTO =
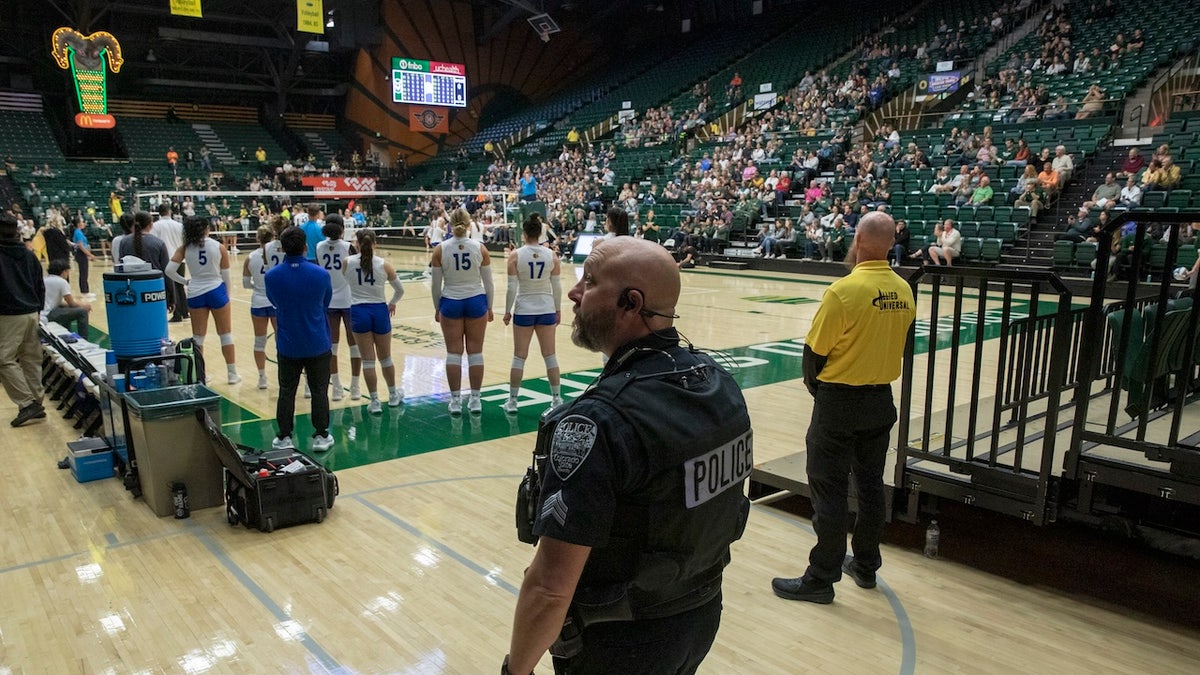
285,495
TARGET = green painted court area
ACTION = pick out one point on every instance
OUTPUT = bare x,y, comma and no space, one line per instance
424,424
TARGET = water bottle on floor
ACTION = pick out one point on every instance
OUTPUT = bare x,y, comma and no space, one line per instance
932,535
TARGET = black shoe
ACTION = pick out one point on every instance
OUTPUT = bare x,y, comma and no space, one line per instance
796,589
32,411
861,579
64,463
177,319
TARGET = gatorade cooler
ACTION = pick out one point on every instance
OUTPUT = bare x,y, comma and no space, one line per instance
136,303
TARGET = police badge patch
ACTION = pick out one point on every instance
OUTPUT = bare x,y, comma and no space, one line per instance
573,440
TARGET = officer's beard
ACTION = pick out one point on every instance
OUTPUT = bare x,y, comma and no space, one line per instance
851,256
592,331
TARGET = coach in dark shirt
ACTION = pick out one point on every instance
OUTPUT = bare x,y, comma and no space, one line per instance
301,291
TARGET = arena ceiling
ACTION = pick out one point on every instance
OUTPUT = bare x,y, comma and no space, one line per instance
244,51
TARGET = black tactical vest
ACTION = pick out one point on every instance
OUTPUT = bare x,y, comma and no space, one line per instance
670,539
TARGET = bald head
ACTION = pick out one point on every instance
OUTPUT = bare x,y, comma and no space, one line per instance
874,237
641,265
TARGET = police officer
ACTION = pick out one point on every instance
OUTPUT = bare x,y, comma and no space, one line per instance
641,486
853,352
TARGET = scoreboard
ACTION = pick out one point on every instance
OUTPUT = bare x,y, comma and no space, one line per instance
429,83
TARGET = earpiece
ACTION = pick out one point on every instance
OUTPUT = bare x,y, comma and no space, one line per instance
626,302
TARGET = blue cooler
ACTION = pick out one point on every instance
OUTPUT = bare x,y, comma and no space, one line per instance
136,303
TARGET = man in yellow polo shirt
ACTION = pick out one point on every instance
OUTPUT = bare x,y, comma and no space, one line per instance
853,352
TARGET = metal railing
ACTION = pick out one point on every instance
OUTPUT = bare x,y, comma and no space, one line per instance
986,459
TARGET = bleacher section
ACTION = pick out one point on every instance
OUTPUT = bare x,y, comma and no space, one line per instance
1169,27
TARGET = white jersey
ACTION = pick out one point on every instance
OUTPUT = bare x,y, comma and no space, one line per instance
332,255
273,254
534,292
170,231
258,270
203,267
366,284
435,232
461,260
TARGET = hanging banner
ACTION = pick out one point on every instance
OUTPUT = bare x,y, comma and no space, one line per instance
186,8
339,184
938,83
310,16
424,119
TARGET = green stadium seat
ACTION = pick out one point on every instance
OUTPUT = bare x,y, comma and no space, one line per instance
971,248
1085,253
991,250
1064,253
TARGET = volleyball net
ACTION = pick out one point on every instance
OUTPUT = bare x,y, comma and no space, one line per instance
401,213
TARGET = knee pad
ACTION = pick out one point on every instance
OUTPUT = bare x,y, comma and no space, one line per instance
454,360
260,343
518,363
226,339
551,361
385,363
198,340
475,359
354,353
368,365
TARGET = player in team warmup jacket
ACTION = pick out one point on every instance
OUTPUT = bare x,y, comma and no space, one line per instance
462,304
534,305
208,289
370,316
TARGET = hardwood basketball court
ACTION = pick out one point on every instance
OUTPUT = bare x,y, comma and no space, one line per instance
416,568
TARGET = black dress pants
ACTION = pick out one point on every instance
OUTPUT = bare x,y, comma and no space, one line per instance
316,369
673,645
849,433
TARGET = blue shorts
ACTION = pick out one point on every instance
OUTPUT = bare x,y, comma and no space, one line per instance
526,320
370,318
266,312
471,308
214,299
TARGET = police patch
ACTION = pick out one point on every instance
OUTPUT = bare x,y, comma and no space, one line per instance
573,440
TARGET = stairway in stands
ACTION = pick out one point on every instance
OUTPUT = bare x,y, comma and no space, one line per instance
318,146
1038,248
222,153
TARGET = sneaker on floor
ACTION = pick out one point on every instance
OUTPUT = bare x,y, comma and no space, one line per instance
284,443
861,579
510,406
796,589
556,401
234,378
396,398
474,405
307,391
322,443
375,407
29,413
338,393
455,405
262,381
355,394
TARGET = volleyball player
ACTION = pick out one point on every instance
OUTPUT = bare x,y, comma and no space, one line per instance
262,312
370,316
208,289
462,302
332,255
534,306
